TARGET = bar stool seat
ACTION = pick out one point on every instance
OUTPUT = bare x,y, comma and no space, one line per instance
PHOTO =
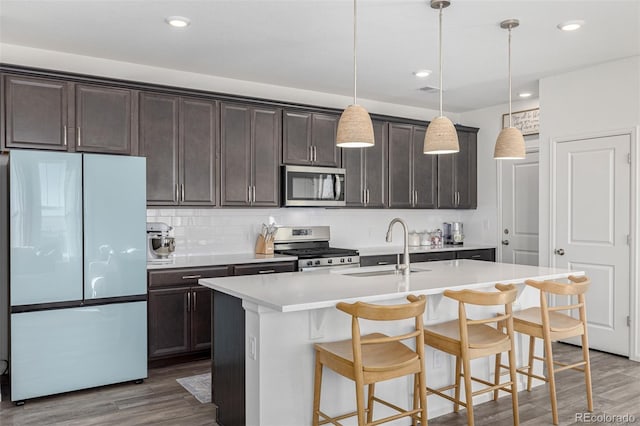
375,357
558,323
481,336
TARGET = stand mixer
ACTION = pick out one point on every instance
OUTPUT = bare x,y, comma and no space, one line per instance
160,243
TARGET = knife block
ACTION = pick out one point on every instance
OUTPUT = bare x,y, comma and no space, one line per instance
263,246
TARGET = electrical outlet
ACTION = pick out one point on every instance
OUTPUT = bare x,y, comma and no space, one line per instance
252,347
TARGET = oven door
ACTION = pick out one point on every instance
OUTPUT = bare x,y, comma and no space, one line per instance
313,186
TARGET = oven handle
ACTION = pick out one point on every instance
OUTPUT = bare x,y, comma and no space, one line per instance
326,268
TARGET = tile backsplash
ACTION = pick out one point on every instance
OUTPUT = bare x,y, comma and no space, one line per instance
230,231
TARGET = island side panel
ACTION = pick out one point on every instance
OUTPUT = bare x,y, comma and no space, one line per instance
228,359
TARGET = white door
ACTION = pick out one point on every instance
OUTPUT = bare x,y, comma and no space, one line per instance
592,224
519,229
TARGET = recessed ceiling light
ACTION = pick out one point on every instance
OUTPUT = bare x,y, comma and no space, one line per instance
422,73
178,21
525,94
570,25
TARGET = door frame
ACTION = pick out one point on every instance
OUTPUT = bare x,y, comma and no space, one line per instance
529,150
634,247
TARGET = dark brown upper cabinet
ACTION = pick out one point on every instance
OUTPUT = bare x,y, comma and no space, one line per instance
366,181
54,114
250,139
457,175
178,136
310,138
412,174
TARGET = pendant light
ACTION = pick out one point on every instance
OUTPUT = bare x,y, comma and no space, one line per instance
510,143
355,129
441,136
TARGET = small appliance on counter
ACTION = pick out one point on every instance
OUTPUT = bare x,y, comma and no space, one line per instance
160,243
453,233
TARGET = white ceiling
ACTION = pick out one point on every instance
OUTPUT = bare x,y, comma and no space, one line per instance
307,44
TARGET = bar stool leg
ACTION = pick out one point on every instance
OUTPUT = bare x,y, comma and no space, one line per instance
372,388
360,399
587,371
548,356
456,406
532,347
422,384
467,390
514,386
317,385
496,375
416,396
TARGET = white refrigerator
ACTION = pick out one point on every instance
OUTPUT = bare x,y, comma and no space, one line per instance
77,271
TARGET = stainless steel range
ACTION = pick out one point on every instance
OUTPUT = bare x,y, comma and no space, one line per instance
311,245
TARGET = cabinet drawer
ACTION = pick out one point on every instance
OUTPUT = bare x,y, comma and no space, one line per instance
186,276
483,254
264,268
430,257
385,259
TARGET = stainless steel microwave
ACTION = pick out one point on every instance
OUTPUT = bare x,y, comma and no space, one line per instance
306,186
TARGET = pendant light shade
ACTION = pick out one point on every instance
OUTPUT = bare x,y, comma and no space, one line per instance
441,136
510,143
355,129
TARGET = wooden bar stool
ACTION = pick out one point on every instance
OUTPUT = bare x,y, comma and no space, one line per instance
469,339
373,358
548,324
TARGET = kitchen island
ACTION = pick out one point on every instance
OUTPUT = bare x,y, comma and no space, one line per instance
265,328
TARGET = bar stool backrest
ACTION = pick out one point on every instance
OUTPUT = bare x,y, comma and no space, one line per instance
578,287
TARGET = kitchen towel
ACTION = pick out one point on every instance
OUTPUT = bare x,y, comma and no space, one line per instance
198,386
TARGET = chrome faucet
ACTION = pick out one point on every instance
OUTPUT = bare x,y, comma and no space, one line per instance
404,267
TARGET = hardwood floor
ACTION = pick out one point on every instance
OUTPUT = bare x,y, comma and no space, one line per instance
160,400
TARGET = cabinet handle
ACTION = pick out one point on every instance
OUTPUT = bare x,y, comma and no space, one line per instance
267,271
363,197
249,194
476,256
383,263
191,277
189,302
367,197
253,194
310,153
64,135
314,154
195,302
182,192
176,196
416,202
79,136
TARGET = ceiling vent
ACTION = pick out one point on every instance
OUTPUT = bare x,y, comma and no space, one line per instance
428,89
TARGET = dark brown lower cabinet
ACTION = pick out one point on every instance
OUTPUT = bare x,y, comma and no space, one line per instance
488,254
179,314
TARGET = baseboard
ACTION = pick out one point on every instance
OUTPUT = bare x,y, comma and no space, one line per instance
163,362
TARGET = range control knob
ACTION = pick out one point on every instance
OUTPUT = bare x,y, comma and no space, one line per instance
342,260
330,261
349,260
309,263
317,262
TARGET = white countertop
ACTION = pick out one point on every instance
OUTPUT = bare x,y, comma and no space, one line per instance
191,261
382,250
300,291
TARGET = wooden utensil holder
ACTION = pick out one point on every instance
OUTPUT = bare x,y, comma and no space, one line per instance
263,246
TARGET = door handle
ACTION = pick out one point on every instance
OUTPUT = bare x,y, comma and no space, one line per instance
505,242
559,252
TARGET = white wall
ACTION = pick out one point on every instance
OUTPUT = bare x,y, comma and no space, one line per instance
601,98
61,61
483,223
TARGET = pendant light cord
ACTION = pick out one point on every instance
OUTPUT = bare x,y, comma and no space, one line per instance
510,125
440,56
355,65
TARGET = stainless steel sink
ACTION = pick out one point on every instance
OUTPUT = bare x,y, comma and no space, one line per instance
385,272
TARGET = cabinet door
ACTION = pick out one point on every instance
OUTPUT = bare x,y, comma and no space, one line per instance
266,134
376,168
168,321
353,162
198,152
200,318
36,113
103,119
384,259
296,144
400,174
323,140
488,255
466,171
446,181
265,268
159,143
425,172
235,154
432,256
